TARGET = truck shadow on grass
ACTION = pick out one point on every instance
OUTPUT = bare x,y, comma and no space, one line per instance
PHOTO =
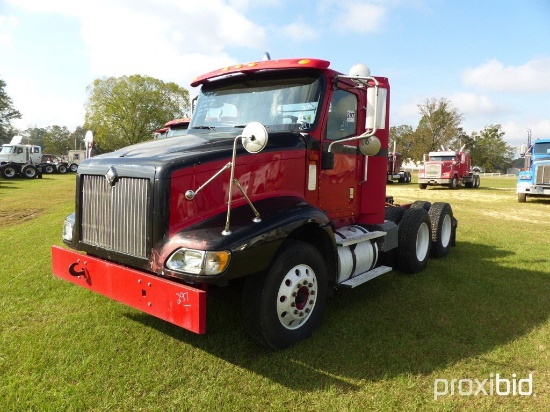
461,306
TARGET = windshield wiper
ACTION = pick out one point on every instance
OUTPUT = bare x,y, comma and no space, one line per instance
204,127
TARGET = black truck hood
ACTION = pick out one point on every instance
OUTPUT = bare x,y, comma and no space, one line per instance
164,155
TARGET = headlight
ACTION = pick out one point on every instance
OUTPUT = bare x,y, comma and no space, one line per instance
198,262
68,225
525,177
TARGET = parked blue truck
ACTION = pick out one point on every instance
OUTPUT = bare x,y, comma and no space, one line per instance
534,179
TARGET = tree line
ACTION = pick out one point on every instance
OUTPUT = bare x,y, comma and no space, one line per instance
121,111
440,127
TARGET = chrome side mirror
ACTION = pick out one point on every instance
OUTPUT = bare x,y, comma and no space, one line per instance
254,137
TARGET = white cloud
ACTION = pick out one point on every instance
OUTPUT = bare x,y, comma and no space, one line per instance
47,108
299,31
477,105
533,76
358,17
168,39
6,23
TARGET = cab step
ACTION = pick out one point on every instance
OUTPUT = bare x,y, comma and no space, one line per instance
365,277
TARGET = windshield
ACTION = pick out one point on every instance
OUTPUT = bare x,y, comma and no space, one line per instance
175,132
278,103
7,149
442,158
542,148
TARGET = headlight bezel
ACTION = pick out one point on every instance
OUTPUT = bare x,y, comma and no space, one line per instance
198,262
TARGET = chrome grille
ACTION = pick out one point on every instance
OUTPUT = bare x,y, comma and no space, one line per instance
115,218
432,170
542,175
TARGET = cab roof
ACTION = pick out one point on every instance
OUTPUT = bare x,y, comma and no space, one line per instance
253,67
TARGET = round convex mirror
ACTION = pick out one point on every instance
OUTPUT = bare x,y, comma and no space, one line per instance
370,146
254,137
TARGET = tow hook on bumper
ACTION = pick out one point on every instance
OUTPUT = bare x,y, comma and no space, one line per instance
173,302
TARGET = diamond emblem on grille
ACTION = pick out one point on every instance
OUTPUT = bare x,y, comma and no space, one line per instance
111,176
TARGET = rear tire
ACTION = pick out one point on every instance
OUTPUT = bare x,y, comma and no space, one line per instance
441,217
477,181
49,169
62,169
422,186
421,204
284,305
29,171
394,214
414,241
73,167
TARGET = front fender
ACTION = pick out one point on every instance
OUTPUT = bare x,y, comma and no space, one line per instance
252,245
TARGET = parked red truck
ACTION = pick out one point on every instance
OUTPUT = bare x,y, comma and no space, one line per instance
173,128
448,168
395,168
279,186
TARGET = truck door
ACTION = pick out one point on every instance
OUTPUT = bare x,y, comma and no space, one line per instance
338,194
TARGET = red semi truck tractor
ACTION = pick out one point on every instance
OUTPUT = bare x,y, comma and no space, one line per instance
279,187
395,169
448,168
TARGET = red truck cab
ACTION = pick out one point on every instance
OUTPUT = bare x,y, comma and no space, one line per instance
279,185
448,168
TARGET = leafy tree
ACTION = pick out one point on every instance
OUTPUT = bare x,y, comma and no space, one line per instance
489,151
77,138
403,137
7,114
127,110
34,135
439,126
57,140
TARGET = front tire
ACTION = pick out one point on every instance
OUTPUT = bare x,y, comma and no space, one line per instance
284,304
454,183
9,172
522,197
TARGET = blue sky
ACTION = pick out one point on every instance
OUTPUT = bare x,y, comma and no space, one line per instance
491,59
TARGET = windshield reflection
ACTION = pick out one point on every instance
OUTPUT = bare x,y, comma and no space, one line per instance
286,104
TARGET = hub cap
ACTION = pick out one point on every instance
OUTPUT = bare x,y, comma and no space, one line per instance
296,297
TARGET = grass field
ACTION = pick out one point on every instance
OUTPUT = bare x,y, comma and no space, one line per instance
482,310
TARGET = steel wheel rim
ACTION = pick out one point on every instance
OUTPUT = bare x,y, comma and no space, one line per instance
296,296
446,231
423,240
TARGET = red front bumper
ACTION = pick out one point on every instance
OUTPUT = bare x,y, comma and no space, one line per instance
181,305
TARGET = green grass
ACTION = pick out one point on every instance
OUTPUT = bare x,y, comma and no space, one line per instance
483,309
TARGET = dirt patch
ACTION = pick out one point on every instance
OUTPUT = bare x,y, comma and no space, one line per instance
15,217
